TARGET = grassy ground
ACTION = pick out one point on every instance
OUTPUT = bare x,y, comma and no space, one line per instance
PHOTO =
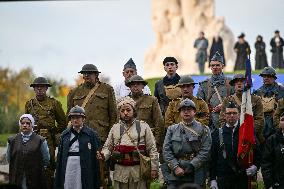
4,138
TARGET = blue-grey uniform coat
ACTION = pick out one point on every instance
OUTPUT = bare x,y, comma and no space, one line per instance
179,141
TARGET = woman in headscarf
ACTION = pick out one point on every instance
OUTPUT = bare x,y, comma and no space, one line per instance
28,156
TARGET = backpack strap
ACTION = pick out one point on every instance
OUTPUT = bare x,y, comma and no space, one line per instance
138,129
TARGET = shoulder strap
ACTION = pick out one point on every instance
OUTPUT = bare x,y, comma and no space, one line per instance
138,129
209,91
191,130
237,99
218,94
32,106
90,94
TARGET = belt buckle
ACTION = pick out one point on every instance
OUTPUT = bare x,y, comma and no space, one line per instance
126,156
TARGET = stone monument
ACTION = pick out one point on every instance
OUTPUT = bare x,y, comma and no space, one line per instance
177,24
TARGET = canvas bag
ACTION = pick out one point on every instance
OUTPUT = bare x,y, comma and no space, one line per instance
145,161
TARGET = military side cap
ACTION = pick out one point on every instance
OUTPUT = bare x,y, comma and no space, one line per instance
170,59
186,103
217,57
89,68
40,81
186,80
137,79
77,111
237,77
129,64
268,71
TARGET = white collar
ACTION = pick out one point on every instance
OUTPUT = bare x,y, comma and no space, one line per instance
28,135
234,127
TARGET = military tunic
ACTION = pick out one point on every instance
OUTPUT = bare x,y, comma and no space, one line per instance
148,110
269,97
101,111
257,110
173,115
207,92
186,145
128,176
46,113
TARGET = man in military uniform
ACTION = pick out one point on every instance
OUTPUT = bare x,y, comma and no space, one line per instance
257,108
98,100
129,70
187,84
148,108
166,89
186,149
270,92
226,171
214,89
125,139
46,111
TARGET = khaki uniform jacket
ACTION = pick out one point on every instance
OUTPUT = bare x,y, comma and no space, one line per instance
148,110
46,113
207,92
278,112
173,115
101,111
122,173
257,110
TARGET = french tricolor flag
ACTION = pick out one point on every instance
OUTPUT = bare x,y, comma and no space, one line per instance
246,131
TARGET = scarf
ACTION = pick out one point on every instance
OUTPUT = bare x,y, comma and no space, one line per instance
218,79
171,81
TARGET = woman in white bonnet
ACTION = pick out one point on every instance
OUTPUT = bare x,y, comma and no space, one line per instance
28,156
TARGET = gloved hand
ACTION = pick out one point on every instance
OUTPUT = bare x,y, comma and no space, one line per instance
251,170
213,184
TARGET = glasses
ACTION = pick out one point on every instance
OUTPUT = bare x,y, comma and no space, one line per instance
170,64
231,113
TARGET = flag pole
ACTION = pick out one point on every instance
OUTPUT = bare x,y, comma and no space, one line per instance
249,163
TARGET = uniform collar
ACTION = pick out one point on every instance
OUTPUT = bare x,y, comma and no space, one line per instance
232,127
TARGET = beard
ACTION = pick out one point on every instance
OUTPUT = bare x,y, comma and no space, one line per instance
127,120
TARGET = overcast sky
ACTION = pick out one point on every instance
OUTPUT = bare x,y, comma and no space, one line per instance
57,38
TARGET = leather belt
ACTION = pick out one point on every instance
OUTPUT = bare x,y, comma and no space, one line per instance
189,156
73,154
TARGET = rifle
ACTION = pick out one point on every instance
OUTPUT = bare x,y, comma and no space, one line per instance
103,179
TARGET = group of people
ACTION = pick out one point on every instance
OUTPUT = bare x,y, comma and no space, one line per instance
123,136
242,49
